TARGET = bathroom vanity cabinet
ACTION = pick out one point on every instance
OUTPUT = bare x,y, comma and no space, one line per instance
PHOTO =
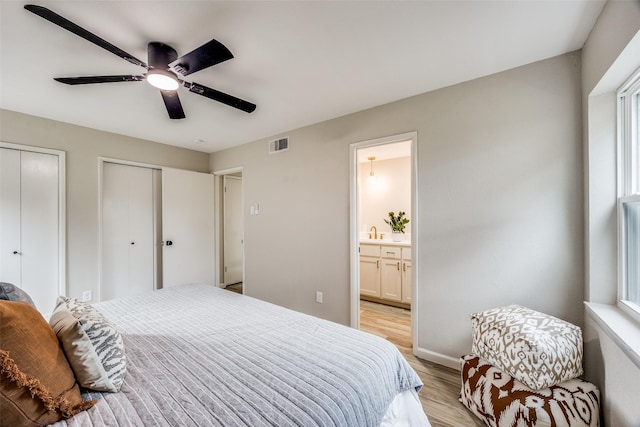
385,271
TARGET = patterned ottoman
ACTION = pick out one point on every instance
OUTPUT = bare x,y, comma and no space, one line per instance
500,400
537,349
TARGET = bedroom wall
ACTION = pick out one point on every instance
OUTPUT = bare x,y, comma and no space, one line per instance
610,55
83,146
500,203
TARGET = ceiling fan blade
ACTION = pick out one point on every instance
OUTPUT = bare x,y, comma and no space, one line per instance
53,17
210,53
173,104
97,79
220,97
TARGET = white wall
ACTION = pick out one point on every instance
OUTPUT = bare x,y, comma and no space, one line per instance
500,203
610,55
83,146
390,192
618,379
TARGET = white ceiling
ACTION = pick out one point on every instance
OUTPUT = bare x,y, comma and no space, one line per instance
301,62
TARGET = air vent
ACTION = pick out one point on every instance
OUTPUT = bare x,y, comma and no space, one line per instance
278,145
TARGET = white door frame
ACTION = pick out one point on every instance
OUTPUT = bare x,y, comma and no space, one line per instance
354,232
218,221
62,208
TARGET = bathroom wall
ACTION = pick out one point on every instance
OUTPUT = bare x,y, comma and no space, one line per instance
391,191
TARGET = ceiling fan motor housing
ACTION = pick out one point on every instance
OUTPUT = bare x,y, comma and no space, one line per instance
160,55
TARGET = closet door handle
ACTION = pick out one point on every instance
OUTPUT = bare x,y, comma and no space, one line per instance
398,265
377,263
17,253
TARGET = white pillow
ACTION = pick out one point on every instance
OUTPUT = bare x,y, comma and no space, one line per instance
93,346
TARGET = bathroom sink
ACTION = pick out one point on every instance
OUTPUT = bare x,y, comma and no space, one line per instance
385,241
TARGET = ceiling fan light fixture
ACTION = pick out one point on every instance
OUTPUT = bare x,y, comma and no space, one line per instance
162,79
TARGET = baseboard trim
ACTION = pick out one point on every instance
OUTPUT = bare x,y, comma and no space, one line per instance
385,302
440,359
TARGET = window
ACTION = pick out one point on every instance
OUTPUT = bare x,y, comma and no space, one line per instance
629,194
629,218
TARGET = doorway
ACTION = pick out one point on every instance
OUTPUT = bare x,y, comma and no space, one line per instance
231,230
383,291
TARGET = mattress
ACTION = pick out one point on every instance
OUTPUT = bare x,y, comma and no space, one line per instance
198,355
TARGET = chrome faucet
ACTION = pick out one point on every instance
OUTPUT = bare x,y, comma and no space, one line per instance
375,231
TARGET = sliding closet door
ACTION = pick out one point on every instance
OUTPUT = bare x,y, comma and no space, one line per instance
127,230
29,224
187,227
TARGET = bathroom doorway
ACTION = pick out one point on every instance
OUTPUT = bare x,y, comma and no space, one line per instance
383,182
231,230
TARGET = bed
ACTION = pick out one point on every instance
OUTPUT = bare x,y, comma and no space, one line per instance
197,355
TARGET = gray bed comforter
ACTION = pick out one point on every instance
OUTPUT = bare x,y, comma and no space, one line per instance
201,356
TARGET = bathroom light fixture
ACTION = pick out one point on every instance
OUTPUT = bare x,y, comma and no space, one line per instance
372,177
162,79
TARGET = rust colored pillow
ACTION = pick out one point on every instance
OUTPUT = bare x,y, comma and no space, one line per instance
37,385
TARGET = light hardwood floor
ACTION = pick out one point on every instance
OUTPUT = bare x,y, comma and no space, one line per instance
439,396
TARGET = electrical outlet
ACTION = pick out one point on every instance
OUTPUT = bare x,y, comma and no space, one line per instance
87,296
319,297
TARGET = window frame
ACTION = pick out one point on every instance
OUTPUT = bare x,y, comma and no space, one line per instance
628,144
628,129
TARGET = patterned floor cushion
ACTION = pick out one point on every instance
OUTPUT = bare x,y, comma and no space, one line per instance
537,349
500,400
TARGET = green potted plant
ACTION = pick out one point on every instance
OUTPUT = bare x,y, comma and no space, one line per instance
397,223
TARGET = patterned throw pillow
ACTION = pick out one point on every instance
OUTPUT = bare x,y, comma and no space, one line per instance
93,346
11,292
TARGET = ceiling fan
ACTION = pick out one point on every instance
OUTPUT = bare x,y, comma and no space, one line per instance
164,68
